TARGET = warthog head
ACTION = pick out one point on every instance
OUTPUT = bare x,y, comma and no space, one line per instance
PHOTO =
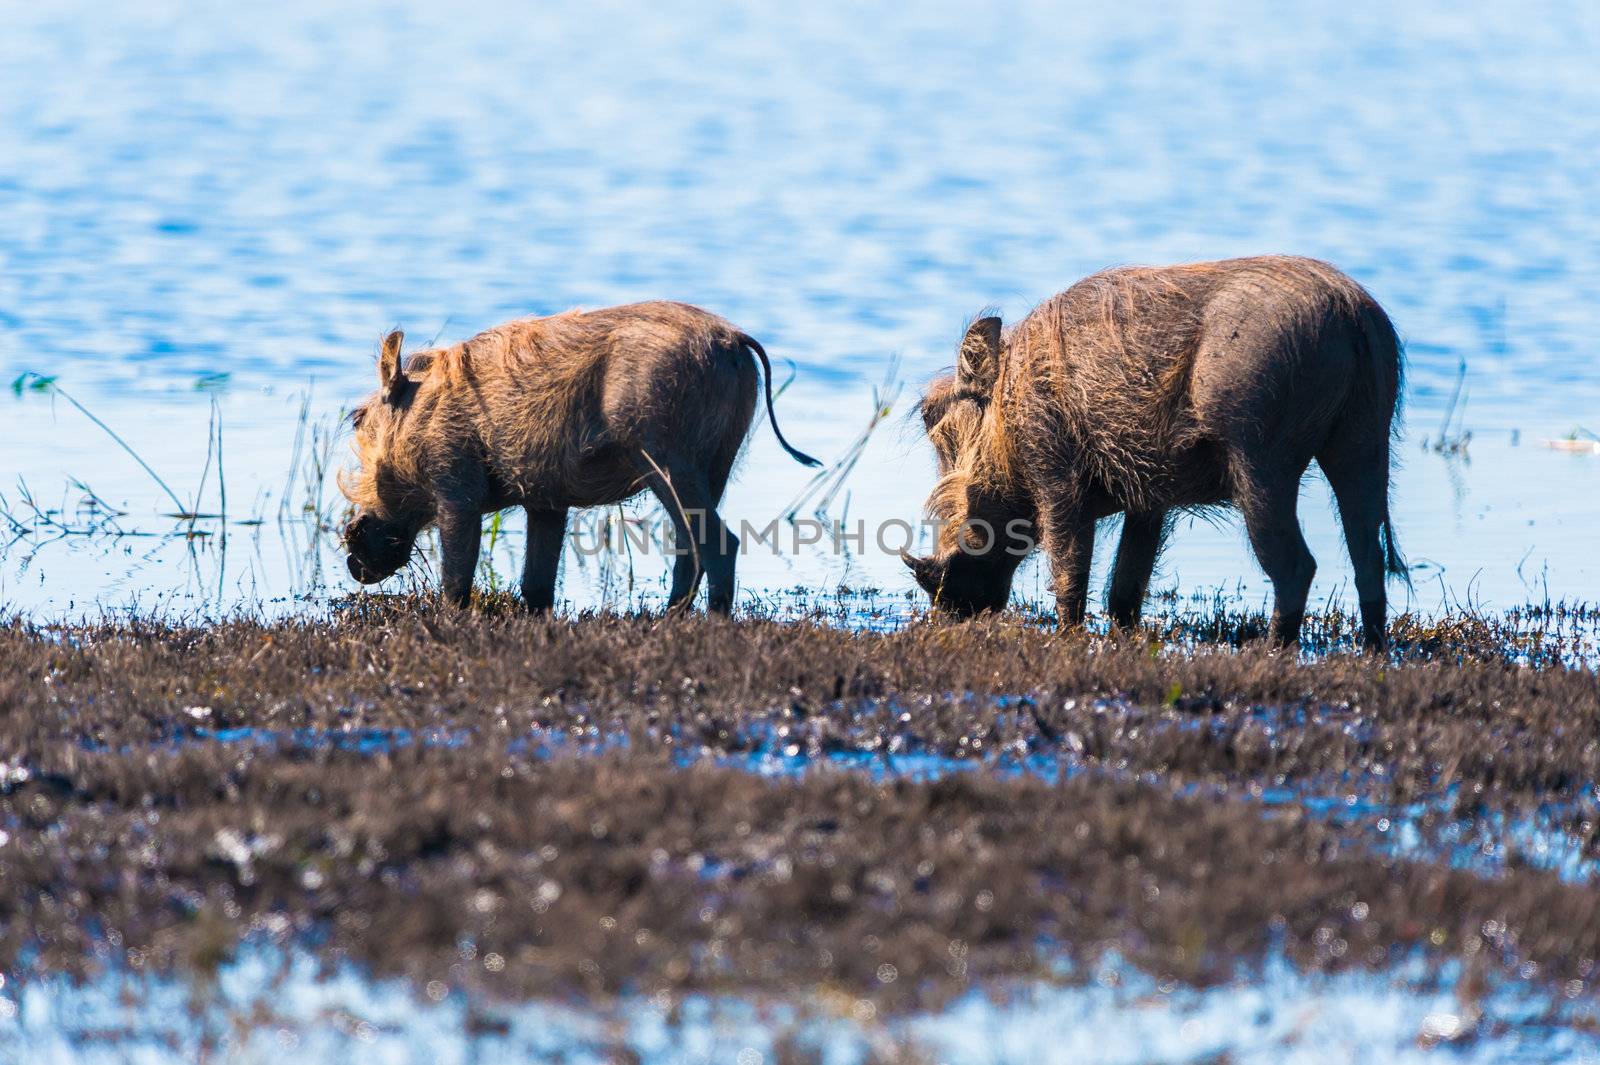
378,548
984,532
391,504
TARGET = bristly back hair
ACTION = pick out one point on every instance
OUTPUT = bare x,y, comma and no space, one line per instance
537,399
531,374
1103,368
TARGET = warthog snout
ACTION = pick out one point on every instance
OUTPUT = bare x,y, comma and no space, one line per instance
378,549
963,585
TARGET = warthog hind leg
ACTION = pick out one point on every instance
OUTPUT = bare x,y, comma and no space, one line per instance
1271,517
702,542
1360,484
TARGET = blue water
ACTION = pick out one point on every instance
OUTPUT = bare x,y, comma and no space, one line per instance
192,190
273,1002
864,736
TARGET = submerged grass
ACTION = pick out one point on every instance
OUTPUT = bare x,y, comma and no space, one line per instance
565,807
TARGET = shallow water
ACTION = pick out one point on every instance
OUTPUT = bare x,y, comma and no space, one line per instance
272,1001
1432,827
195,192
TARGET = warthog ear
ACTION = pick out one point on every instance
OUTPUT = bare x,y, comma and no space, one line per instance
391,377
926,570
980,355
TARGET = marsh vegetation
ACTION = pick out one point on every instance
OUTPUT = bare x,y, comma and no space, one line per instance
783,807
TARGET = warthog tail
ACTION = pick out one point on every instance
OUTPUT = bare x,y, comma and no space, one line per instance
1386,368
1391,553
799,456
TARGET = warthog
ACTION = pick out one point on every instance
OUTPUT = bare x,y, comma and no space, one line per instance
575,410
1148,391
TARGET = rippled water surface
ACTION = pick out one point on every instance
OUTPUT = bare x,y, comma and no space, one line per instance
207,205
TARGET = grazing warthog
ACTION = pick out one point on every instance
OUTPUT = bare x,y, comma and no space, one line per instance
1152,390
575,410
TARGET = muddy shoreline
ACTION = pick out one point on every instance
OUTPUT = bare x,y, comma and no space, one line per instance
578,810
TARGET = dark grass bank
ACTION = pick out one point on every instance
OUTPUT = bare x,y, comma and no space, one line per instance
582,809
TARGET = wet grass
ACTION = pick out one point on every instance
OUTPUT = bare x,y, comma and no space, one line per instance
609,805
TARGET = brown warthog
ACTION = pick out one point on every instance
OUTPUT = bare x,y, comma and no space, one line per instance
575,410
1151,390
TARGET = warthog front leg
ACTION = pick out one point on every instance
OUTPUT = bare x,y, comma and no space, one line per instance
547,531
1069,543
459,532
1142,533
